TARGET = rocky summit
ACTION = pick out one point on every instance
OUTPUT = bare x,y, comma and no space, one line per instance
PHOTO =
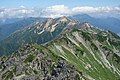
61,49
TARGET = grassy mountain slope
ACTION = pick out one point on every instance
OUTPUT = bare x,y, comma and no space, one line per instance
77,54
92,52
39,33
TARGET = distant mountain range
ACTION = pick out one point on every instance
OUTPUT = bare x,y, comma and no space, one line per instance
8,26
4,21
108,23
42,30
37,33
60,48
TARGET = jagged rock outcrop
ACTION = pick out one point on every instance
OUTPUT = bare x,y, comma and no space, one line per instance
79,52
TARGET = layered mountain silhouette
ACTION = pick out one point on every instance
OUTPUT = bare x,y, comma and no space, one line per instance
9,26
61,48
106,23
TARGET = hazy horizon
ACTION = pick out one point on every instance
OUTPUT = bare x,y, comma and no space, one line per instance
58,8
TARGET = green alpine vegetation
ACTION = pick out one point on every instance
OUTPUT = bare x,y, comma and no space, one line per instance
78,51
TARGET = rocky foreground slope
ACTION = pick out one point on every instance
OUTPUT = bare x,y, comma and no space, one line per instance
72,51
79,52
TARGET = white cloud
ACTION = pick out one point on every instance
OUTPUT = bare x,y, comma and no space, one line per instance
16,12
55,11
22,6
84,9
87,9
60,10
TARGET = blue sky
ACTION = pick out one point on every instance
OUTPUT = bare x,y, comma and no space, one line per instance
69,3
57,8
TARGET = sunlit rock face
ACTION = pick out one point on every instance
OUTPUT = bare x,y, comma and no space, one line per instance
61,49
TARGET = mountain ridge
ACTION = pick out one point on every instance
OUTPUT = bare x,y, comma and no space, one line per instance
109,23
82,53
40,33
